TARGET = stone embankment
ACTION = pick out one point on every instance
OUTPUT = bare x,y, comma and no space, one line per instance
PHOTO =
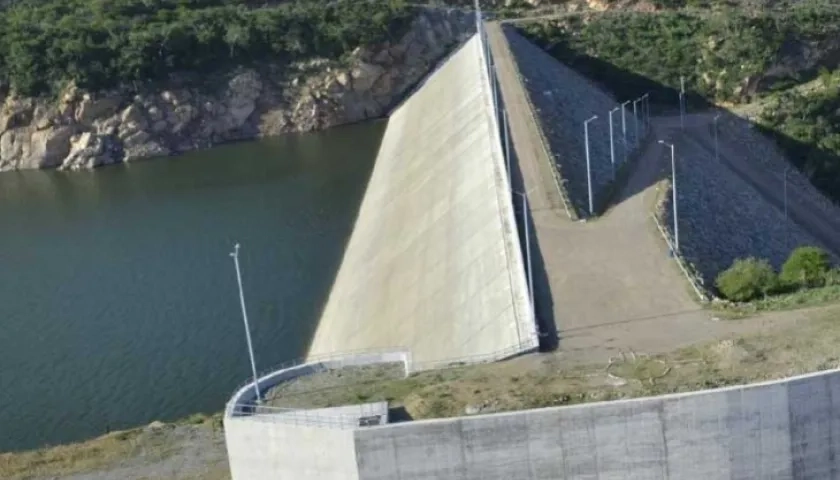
722,218
563,100
763,151
83,129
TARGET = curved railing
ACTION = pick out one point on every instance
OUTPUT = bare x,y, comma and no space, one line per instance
243,401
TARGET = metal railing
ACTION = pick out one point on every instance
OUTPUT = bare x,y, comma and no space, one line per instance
314,417
320,359
236,407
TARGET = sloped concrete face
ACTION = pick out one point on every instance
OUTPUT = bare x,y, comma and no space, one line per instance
433,264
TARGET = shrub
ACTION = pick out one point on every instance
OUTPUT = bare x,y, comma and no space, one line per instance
746,279
833,277
102,43
806,267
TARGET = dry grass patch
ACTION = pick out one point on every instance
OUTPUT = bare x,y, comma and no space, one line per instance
543,381
153,443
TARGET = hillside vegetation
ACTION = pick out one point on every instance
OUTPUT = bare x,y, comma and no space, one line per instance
807,126
101,43
729,55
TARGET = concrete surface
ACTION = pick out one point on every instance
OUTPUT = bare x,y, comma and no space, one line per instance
777,430
433,264
609,285
259,449
783,429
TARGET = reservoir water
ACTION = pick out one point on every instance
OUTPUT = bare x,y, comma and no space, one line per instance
118,299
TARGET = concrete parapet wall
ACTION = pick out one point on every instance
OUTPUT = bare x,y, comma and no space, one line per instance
777,430
260,450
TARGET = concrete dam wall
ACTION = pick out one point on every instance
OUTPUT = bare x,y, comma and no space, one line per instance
433,265
786,429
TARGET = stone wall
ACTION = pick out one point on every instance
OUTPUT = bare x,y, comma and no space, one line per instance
87,129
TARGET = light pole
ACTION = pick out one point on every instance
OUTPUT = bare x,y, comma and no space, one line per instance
787,223
646,112
674,196
624,129
785,190
588,165
717,151
493,86
635,124
235,255
527,247
682,102
507,145
612,146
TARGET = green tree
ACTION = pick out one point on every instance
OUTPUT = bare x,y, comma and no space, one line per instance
747,279
806,267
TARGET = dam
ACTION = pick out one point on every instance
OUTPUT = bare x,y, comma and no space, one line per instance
778,429
434,265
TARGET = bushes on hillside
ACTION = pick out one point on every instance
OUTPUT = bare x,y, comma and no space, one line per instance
100,43
750,278
806,267
634,53
747,279
805,125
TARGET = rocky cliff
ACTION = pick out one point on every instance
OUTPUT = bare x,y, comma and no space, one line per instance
87,129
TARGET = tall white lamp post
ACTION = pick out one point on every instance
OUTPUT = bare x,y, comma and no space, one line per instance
235,255
674,196
612,145
527,247
588,164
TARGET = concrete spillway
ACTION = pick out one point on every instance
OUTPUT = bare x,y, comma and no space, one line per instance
433,264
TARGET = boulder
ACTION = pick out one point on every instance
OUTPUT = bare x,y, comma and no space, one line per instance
134,114
91,108
17,112
90,150
48,148
142,145
365,75
182,117
243,91
176,97
44,116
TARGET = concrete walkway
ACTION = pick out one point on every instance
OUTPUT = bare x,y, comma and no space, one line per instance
433,264
612,285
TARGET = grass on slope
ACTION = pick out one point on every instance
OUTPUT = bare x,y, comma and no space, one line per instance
542,381
527,382
810,297
146,444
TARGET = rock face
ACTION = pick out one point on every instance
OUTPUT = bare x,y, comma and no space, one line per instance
83,129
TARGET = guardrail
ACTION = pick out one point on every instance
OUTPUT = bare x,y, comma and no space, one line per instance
243,401
300,361
309,418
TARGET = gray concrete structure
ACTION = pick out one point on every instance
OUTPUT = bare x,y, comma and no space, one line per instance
433,264
782,429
